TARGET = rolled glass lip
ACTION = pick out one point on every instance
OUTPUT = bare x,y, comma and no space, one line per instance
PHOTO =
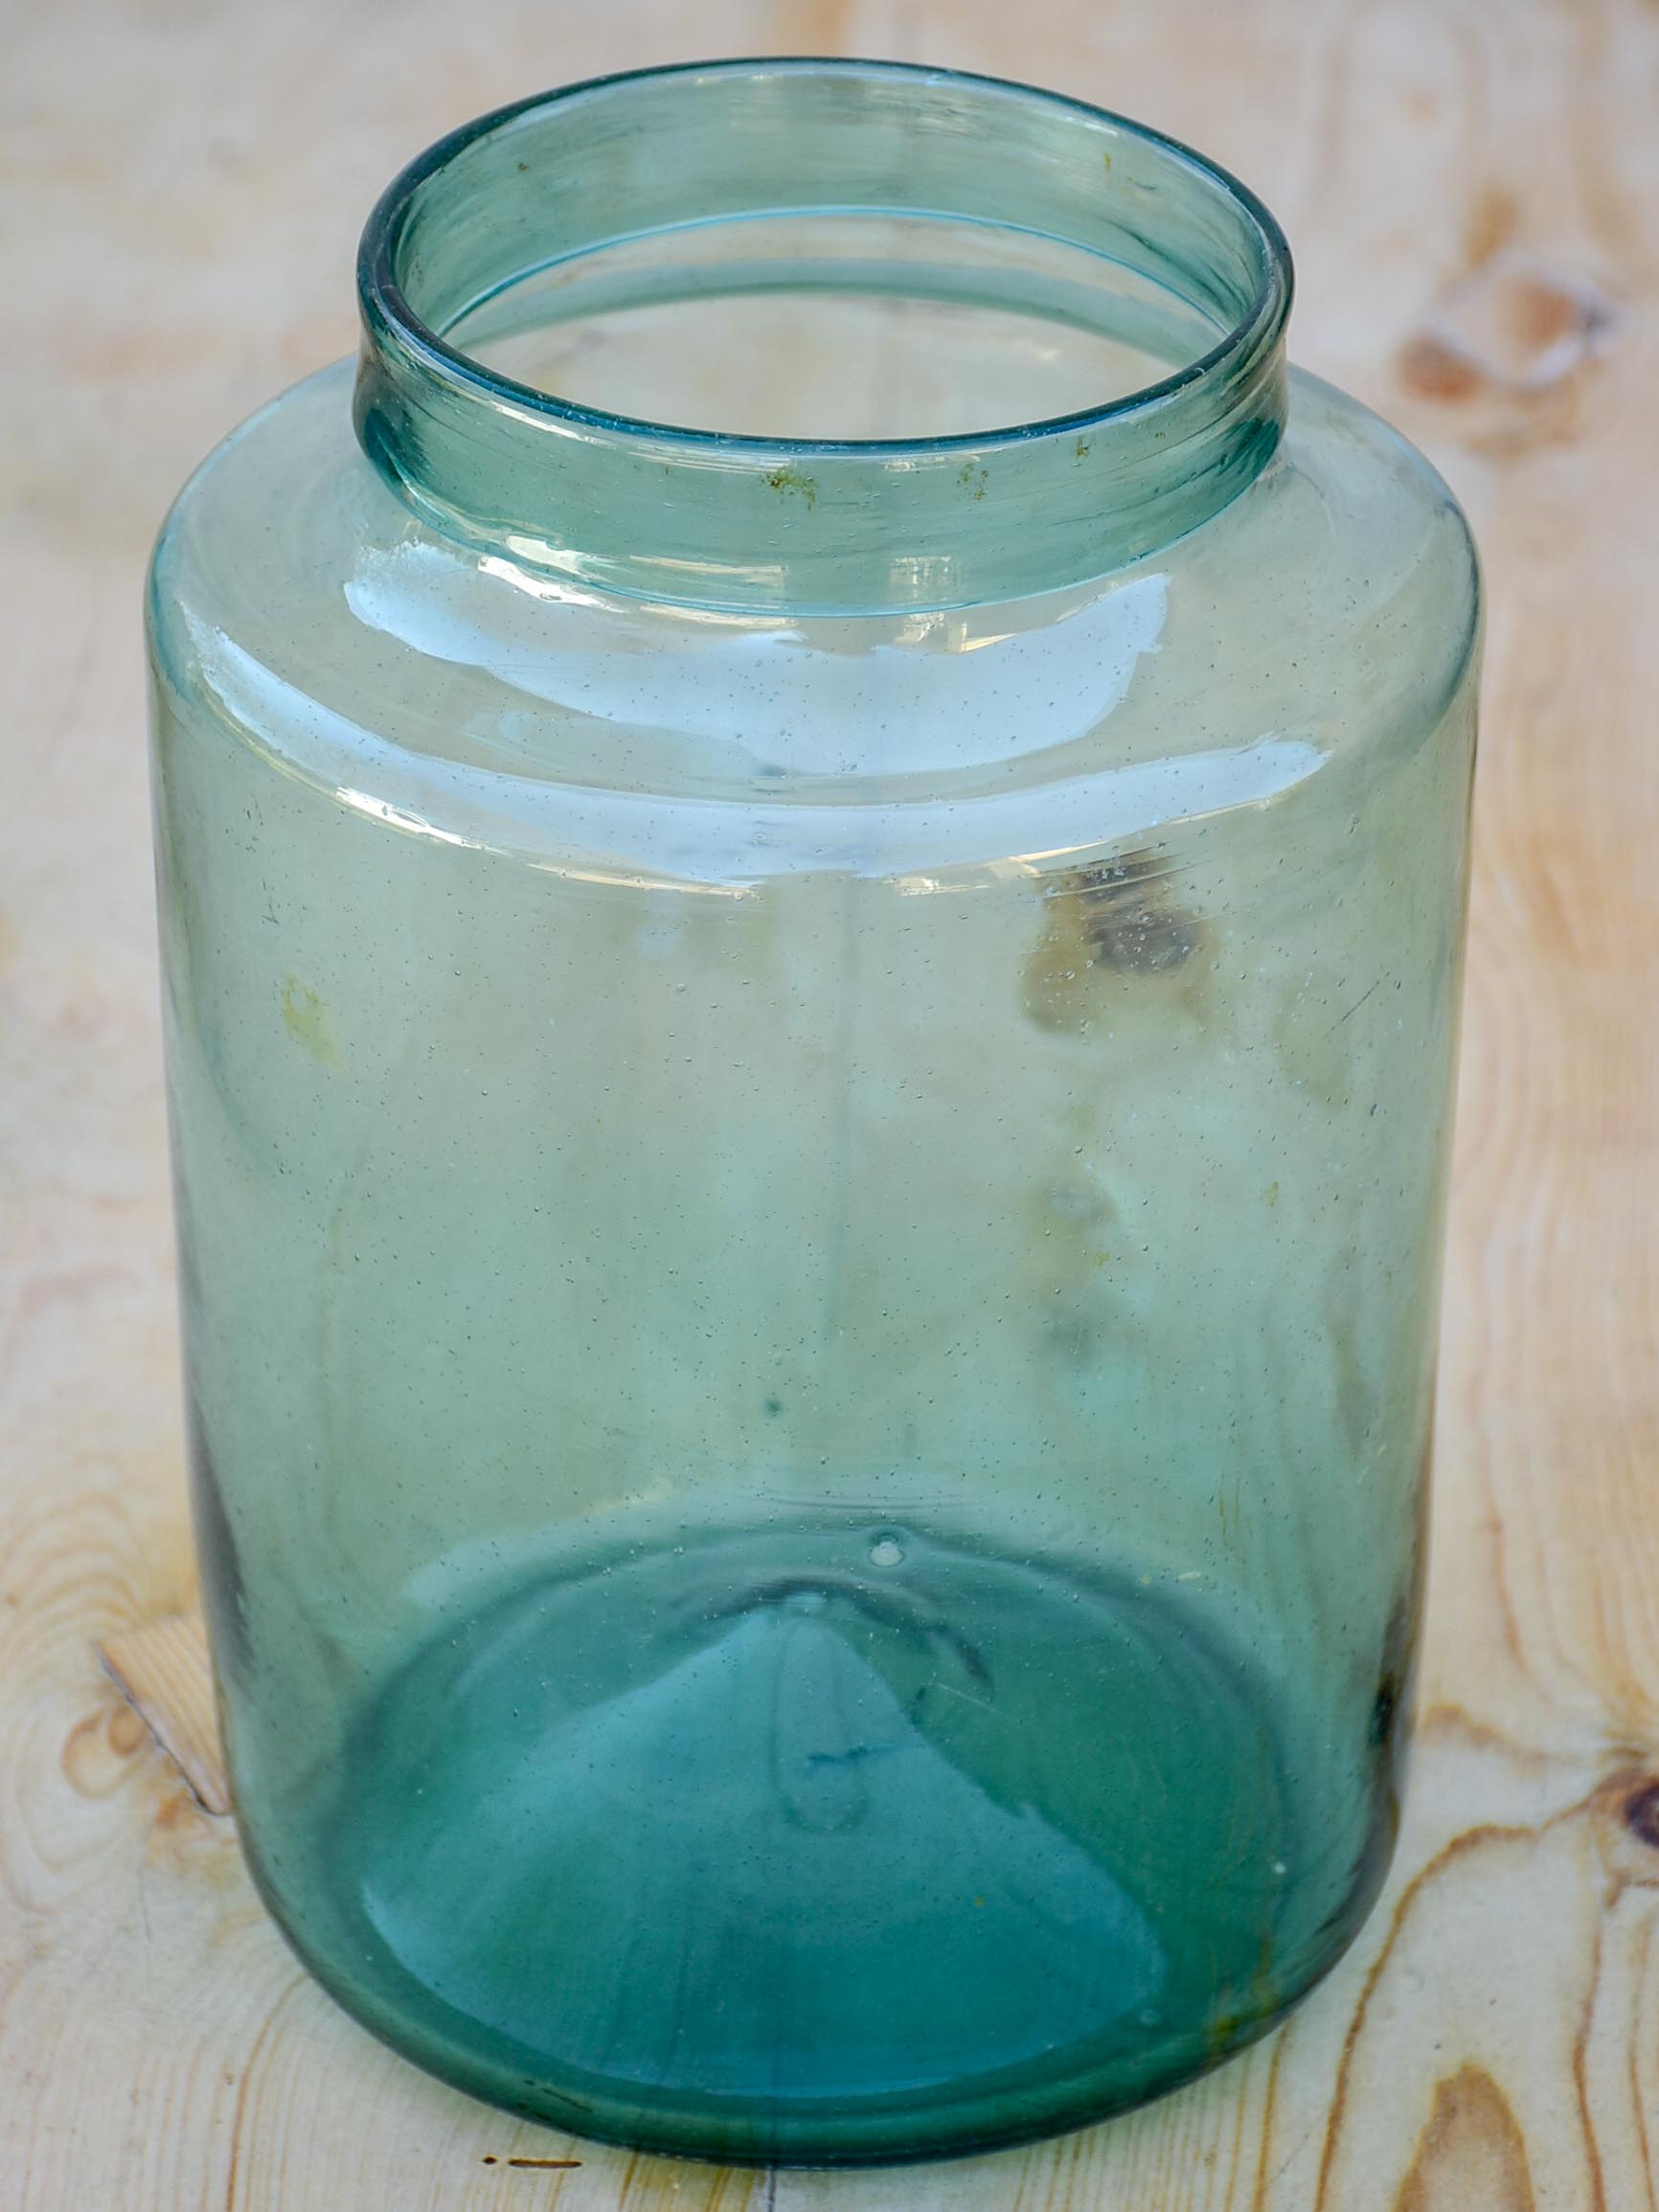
386,306
662,509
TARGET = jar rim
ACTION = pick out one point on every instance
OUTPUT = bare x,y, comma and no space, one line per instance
457,437
386,303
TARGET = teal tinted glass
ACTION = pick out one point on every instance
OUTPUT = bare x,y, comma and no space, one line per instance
811,847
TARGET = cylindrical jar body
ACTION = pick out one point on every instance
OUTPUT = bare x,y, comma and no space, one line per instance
810,1203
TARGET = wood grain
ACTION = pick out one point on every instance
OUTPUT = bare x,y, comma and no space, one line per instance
163,1672
187,177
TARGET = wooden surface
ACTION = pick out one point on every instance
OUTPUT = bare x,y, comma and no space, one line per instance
184,183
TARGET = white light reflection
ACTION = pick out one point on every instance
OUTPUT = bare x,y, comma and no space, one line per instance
933,696
728,847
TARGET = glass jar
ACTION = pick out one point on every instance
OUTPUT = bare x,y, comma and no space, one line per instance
810,1061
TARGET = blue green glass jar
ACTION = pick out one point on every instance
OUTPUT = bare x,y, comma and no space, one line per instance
811,884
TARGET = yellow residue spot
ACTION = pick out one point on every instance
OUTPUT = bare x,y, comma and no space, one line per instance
1271,1194
794,480
306,1019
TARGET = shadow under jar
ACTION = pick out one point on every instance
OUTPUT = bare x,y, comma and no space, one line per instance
812,892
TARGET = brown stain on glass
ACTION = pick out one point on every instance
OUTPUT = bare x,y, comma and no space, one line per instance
1104,922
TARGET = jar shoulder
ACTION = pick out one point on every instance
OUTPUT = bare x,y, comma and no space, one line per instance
1331,608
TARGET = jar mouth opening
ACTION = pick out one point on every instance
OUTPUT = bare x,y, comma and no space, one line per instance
386,279
525,194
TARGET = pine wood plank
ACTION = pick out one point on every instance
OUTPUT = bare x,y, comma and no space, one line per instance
194,178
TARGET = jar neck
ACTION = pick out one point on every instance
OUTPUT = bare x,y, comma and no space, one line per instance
762,524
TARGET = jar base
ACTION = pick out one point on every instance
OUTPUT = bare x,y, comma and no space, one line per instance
823,1842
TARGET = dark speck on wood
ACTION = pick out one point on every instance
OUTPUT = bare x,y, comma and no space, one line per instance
1641,1814
554,2165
